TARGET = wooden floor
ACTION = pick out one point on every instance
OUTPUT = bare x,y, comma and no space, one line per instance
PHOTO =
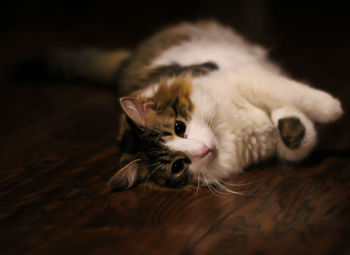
58,149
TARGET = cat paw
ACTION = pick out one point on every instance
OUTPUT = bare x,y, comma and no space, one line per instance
292,132
296,133
332,110
328,109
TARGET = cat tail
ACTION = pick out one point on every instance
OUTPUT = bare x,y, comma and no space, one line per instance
89,64
94,66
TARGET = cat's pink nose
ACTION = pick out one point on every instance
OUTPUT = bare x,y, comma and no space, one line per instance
205,151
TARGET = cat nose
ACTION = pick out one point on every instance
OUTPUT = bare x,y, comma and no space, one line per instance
205,151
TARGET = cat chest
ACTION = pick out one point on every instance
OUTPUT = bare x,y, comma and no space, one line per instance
254,138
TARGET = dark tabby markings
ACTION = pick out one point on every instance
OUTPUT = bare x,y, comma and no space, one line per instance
292,131
176,70
145,142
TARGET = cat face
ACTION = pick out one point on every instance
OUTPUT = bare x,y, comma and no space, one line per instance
163,142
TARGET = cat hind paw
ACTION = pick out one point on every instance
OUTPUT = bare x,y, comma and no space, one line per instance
296,134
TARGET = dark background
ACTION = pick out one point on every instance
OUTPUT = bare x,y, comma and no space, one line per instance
58,145
33,27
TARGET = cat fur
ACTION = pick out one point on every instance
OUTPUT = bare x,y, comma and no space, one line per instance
239,97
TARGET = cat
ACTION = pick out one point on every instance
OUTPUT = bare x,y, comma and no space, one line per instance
200,103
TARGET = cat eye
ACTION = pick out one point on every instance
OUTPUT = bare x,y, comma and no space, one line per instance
178,166
180,128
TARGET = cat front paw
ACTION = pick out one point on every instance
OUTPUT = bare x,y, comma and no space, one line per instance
331,110
328,109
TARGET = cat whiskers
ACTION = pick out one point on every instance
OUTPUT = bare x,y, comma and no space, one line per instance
226,189
205,179
154,170
212,190
236,184
198,181
197,185
220,185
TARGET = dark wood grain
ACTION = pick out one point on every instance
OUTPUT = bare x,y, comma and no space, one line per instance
58,150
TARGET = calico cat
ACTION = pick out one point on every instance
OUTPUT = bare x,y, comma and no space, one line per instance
200,104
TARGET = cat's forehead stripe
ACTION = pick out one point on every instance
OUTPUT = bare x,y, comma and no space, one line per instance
174,99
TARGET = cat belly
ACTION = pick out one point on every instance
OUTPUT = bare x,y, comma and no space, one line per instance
255,141
255,136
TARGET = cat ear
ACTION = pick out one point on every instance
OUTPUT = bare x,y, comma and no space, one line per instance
126,177
137,110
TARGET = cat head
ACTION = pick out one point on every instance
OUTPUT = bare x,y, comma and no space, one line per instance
162,141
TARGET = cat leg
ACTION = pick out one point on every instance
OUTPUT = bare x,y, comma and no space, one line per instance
273,91
296,133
